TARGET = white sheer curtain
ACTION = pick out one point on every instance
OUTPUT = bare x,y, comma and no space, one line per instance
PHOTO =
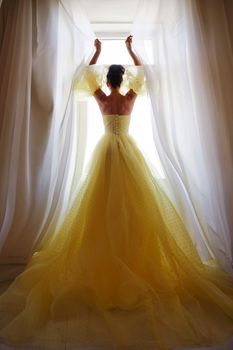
186,48
43,46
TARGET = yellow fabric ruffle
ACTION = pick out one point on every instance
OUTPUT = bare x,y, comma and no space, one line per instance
93,77
90,79
134,78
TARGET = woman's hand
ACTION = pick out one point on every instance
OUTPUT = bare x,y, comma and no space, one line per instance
97,44
128,42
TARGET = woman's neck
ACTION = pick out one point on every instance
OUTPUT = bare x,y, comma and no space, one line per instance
114,91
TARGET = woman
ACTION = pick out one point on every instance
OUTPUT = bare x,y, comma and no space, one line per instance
122,270
115,103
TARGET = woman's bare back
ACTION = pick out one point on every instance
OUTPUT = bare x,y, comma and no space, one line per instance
115,103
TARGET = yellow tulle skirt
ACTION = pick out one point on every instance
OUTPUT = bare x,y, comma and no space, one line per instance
120,273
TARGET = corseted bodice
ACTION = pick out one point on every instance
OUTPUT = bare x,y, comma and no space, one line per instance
116,124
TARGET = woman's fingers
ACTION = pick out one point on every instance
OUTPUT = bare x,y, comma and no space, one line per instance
129,38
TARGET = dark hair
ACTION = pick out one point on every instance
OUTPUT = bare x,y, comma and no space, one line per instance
115,75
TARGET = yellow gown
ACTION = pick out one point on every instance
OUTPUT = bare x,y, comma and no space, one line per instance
121,272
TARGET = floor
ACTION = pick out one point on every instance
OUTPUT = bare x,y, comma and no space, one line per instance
228,346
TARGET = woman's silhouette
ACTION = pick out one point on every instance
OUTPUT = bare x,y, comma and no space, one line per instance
115,103
122,271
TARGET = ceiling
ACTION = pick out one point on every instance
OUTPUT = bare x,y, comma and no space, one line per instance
110,18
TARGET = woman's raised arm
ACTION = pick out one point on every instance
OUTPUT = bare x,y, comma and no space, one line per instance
128,43
97,44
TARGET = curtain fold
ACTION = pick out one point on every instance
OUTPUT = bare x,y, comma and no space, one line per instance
44,46
187,52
